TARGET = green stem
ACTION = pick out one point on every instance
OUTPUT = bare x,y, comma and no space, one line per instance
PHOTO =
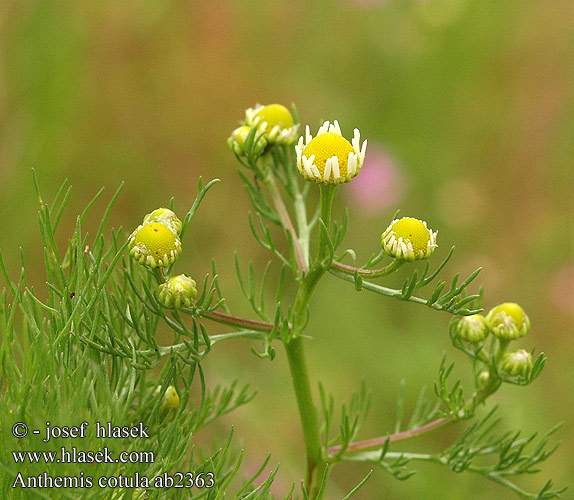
160,275
327,194
317,467
307,413
228,319
371,273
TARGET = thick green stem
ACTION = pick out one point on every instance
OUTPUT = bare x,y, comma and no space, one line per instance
307,413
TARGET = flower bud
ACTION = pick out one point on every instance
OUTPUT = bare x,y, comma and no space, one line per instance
275,121
166,217
177,292
471,328
169,402
508,321
483,379
154,245
237,141
409,239
517,363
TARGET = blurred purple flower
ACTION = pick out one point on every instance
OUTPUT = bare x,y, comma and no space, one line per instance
379,185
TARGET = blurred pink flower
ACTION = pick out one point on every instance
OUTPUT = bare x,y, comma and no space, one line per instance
562,293
379,185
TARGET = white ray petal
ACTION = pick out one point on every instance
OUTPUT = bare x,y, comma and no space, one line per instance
328,166
336,173
316,172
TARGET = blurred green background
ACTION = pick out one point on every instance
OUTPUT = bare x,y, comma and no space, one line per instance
468,106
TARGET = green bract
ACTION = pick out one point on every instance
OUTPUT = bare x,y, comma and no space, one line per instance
517,363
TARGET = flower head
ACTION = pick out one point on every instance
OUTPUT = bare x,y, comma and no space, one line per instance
471,328
155,245
177,291
275,120
238,137
517,363
329,157
409,239
164,216
508,321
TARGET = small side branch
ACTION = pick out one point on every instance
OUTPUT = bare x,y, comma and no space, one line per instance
392,438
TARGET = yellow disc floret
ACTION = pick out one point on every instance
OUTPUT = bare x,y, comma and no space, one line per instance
326,146
155,245
329,157
409,239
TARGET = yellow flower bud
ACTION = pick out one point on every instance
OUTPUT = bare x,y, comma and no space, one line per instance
238,137
275,120
169,402
508,321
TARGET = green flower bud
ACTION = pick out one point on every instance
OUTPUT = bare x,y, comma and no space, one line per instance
508,321
166,217
238,137
517,363
154,245
169,402
276,121
409,239
471,328
178,291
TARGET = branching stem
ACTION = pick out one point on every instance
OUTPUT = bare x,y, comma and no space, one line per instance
477,399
